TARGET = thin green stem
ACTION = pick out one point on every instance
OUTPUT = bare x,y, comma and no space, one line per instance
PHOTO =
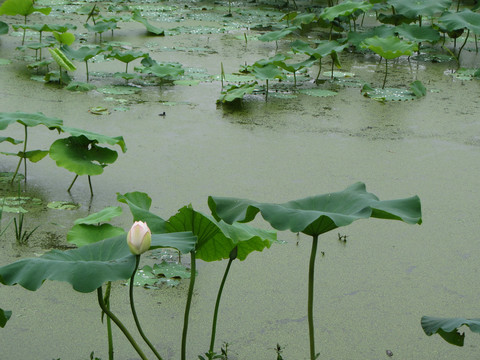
86,66
311,277
73,182
217,305
22,158
187,306
109,321
134,312
461,48
119,324
90,185
319,69
386,73
266,92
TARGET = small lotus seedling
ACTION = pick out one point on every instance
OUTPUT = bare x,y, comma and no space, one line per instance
126,56
389,48
317,215
267,72
22,7
28,120
63,62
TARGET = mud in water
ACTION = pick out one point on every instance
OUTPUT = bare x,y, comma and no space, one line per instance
370,292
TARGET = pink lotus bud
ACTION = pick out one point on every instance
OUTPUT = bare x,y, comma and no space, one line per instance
139,238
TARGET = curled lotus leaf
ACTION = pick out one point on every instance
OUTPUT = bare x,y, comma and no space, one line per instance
465,19
346,8
448,328
318,214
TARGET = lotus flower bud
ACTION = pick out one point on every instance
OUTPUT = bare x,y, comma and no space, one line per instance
139,238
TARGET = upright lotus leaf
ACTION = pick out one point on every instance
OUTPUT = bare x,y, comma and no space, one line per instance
3,28
84,53
136,16
267,72
414,9
319,214
465,19
139,204
277,35
126,56
183,241
382,31
448,328
64,38
97,138
84,234
85,268
103,215
61,59
161,70
345,8
101,26
390,47
4,317
234,92
417,33
10,140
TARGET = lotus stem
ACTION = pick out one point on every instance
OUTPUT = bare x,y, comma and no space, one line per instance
134,312
386,73
22,158
187,306
463,45
106,299
90,185
266,92
319,69
233,256
86,67
311,277
73,182
119,324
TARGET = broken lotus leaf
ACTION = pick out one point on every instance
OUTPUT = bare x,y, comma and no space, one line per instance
448,328
97,138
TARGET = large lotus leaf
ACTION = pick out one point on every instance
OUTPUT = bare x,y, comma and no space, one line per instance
29,120
84,53
103,215
316,215
4,317
85,268
83,234
81,156
183,241
414,8
268,72
390,47
139,204
98,138
447,328
21,7
418,33
217,239
277,35
465,19
346,8
3,28
136,16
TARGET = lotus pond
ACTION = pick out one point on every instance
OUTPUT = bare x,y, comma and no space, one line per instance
190,102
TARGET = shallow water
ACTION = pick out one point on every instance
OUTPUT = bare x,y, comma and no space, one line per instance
370,292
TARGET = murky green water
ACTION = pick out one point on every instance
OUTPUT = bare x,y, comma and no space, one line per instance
370,292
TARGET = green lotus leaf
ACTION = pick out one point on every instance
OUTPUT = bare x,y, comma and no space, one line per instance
448,328
81,155
183,241
382,31
215,240
101,27
418,88
84,53
104,215
390,94
21,7
418,33
319,214
3,28
390,47
414,8
236,92
136,16
97,138
268,72
346,8
61,59
10,140
277,35
29,120
126,56
4,317
80,86
85,268
139,204
465,19
304,19
164,70
66,38
84,234
34,155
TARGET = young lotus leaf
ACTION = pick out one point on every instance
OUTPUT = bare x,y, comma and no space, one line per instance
84,234
84,53
236,92
81,155
126,56
448,328
139,204
390,47
104,215
61,59
101,27
346,8
4,317
417,8
319,214
3,28
465,19
34,156
418,33
418,88
150,28
85,268
163,70
65,38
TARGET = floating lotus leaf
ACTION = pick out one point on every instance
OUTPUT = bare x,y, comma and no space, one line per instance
346,8
318,92
390,47
388,94
319,214
139,204
104,215
414,8
80,86
465,19
150,28
63,205
448,328
81,155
